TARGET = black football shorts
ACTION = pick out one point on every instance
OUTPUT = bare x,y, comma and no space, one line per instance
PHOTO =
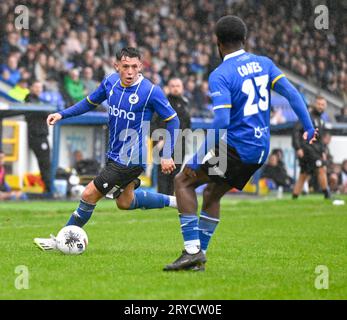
237,173
114,178
311,161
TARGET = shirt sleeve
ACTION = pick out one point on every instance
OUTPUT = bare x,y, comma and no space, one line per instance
219,92
161,105
275,74
287,90
99,95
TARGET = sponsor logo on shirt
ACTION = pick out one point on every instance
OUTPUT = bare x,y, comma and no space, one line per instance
258,132
117,112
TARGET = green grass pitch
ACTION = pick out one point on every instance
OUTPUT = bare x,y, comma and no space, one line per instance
263,249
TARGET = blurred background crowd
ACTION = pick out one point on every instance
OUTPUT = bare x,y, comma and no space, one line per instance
71,44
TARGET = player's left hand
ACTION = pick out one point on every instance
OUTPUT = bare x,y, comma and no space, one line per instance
167,165
189,172
311,137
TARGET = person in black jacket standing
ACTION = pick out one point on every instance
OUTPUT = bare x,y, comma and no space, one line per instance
180,104
312,158
38,133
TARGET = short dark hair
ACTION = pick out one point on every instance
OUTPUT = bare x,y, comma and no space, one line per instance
230,30
320,97
128,52
33,81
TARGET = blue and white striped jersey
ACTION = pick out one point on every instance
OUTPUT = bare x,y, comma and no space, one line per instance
130,111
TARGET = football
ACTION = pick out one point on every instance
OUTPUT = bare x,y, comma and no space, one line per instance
72,240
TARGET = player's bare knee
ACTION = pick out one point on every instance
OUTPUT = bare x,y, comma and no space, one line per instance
88,194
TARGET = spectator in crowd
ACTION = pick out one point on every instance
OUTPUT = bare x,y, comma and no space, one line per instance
327,157
5,191
1,133
77,156
84,166
20,90
276,172
38,134
74,86
334,178
40,71
88,81
279,153
342,117
9,72
329,163
343,177
10,44
81,34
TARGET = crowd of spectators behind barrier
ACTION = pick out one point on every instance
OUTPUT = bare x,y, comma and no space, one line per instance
70,45
276,175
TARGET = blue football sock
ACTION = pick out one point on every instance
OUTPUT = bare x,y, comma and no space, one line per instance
149,200
190,232
82,214
207,226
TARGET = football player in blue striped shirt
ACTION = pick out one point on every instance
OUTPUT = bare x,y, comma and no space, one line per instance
240,91
132,100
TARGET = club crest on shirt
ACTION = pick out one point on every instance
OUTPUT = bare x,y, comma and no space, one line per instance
133,98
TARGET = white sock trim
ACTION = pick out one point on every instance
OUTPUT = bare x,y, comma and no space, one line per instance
209,218
173,202
192,246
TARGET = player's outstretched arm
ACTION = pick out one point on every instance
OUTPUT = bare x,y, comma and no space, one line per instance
87,104
287,90
167,163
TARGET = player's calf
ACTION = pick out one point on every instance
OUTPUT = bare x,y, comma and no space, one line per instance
130,199
147,200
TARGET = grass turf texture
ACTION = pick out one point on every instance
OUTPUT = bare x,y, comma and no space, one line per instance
263,249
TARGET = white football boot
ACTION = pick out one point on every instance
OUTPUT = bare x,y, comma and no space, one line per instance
46,244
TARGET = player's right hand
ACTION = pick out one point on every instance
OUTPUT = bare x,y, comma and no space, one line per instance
189,172
167,165
53,118
311,135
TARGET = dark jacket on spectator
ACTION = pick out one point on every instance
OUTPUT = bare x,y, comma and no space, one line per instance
298,141
278,174
36,121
